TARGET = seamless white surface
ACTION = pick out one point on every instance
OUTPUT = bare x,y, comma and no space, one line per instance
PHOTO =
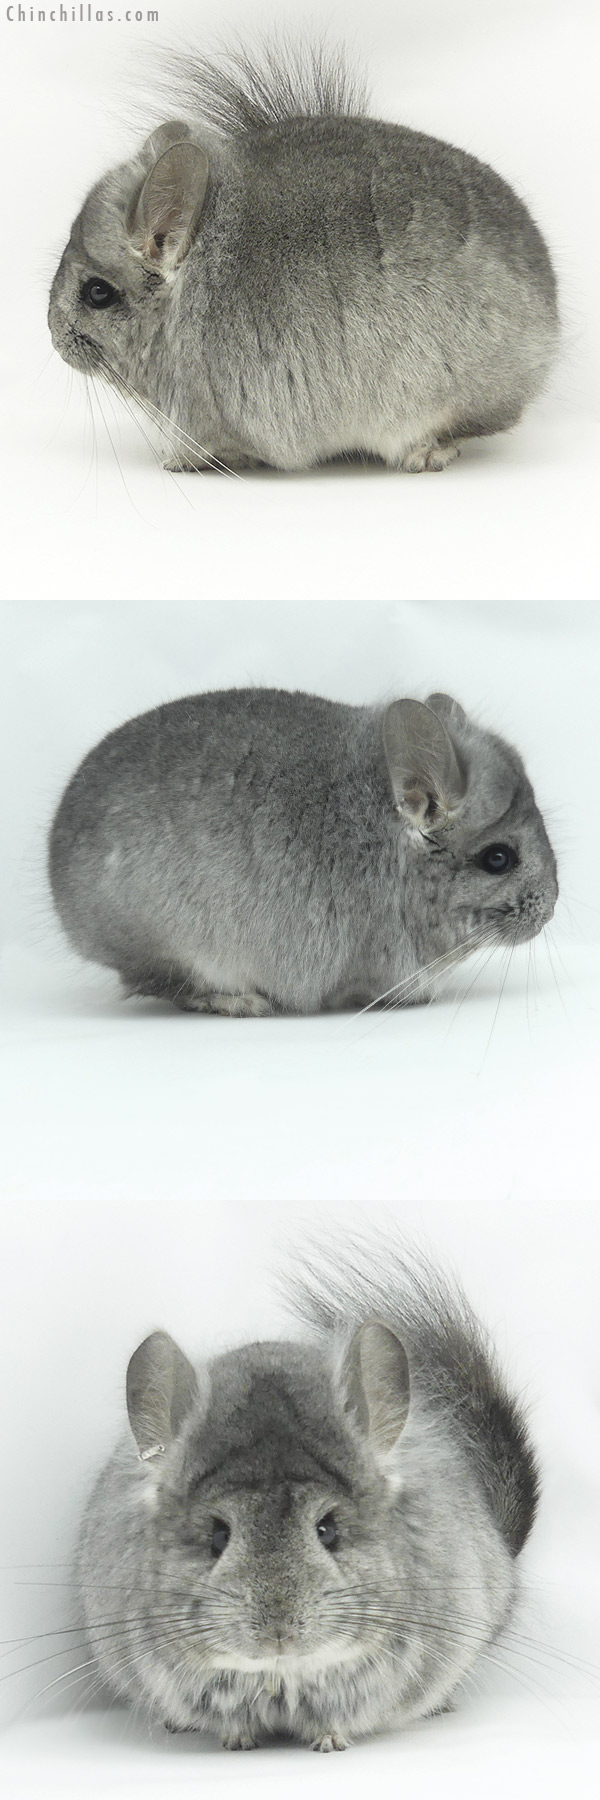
89,513
159,1167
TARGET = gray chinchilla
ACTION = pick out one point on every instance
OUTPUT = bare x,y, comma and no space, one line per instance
313,1538
257,850
281,279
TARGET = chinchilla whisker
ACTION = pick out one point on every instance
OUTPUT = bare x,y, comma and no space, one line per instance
483,958
507,962
147,439
550,948
116,457
155,1640
171,430
177,436
133,1659
442,966
541,1656
448,959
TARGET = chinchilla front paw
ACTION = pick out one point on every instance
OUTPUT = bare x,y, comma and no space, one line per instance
238,1739
219,462
428,456
332,1740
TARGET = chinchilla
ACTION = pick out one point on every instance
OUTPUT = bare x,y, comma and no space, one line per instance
255,850
316,1538
280,279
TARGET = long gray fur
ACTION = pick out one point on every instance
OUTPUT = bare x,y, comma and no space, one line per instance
254,850
296,281
397,1426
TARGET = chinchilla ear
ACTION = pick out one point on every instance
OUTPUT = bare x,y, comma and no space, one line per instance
376,1384
174,132
167,212
446,708
161,1388
427,780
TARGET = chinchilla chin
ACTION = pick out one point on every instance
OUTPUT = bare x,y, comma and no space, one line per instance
255,851
278,278
316,1537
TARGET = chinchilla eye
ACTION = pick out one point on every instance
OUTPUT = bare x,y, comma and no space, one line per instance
327,1531
98,293
220,1537
498,859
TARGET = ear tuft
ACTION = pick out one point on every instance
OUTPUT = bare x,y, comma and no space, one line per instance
167,211
427,781
161,1388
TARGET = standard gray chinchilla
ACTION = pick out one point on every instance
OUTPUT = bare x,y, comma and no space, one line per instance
255,850
314,1538
280,279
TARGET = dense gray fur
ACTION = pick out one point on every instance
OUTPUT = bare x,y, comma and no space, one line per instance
398,1428
257,850
296,280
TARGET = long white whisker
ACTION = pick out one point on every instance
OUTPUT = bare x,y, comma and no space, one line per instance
448,959
175,432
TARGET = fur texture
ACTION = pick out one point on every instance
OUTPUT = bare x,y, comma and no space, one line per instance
257,850
290,280
317,1538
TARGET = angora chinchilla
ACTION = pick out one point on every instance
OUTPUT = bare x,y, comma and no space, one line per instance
256,850
315,1538
281,279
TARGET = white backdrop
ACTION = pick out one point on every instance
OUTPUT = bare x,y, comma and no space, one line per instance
156,1166
513,81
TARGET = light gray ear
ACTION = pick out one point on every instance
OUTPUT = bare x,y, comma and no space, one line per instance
427,781
167,212
161,1388
446,708
376,1384
174,132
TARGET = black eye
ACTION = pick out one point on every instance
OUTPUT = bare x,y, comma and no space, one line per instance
327,1531
98,293
498,859
220,1537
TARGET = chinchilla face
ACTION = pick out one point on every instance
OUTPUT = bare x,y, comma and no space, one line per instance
268,1519
486,858
113,286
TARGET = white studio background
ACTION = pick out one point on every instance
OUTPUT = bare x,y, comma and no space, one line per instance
157,1166
514,81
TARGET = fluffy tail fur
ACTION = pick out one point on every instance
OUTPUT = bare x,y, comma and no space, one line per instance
452,1360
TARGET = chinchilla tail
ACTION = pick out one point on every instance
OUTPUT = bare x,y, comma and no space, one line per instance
247,92
452,1359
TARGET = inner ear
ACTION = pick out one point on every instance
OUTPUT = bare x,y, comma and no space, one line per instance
376,1381
161,1388
428,783
167,212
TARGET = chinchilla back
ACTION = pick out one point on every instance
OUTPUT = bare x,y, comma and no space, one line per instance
450,1355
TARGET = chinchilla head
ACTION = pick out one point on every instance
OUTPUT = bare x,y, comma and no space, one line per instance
269,1482
110,294
479,839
